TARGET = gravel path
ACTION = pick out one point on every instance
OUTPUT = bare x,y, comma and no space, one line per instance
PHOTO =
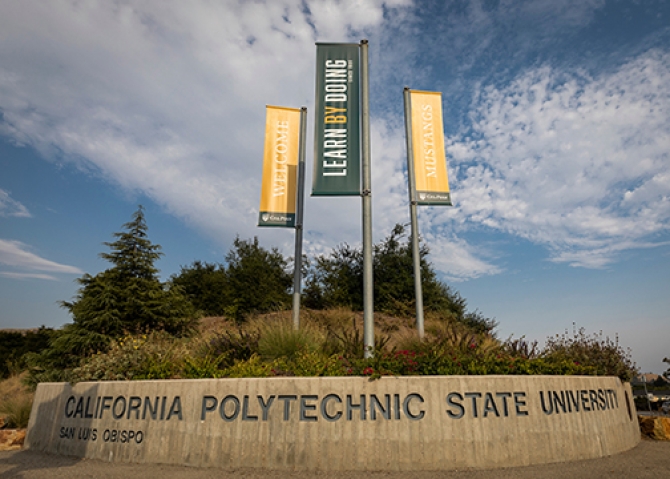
650,459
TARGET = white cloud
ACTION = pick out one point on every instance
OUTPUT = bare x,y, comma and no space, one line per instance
458,260
576,163
16,255
167,98
10,207
449,254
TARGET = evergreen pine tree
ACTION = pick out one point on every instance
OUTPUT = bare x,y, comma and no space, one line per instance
128,298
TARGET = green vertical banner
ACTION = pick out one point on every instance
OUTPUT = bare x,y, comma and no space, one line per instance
337,164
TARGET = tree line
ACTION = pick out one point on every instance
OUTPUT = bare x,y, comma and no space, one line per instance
258,280
128,324
129,297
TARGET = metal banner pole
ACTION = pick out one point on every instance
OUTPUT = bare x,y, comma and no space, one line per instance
416,255
297,272
368,299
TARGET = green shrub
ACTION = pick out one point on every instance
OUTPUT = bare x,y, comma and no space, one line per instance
254,367
14,345
604,356
153,367
268,346
278,339
37,373
521,348
16,410
309,364
153,356
407,363
444,336
232,346
349,342
203,367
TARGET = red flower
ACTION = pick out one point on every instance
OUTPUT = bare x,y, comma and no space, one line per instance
367,371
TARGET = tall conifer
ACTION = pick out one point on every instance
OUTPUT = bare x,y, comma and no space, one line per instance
127,298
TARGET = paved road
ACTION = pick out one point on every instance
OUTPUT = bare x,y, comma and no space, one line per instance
650,459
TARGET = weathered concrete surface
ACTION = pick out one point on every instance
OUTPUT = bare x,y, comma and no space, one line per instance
405,423
655,427
12,439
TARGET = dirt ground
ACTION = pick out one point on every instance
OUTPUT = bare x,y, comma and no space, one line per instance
650,459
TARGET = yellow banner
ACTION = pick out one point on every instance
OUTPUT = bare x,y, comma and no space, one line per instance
430,162
280,167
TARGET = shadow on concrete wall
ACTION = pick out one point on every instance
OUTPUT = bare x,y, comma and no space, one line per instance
50,431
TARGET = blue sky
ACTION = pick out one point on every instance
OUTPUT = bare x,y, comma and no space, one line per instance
556,121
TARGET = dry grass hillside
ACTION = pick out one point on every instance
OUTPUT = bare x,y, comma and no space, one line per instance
15,402
393,331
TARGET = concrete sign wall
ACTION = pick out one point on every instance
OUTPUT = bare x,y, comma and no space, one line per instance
403,423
